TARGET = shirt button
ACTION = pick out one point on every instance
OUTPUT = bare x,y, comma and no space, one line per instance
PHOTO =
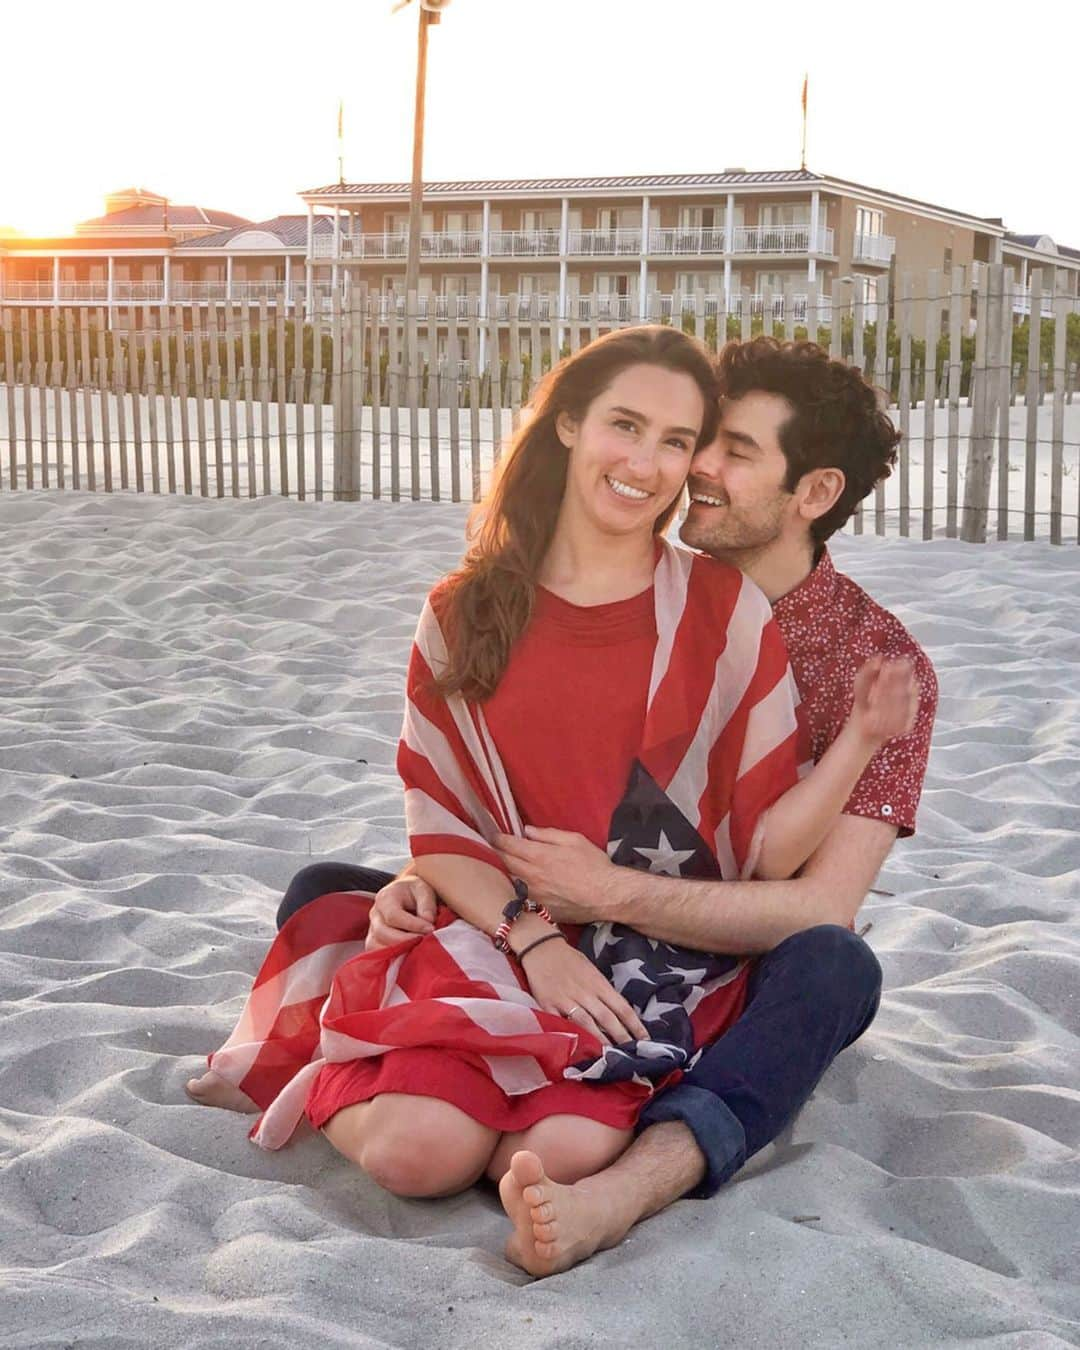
886,810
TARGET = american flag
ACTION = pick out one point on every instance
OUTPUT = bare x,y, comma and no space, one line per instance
719,746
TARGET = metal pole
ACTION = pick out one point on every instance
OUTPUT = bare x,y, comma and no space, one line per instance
416,199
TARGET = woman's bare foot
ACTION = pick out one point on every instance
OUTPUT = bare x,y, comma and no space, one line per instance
555,1226
213,1090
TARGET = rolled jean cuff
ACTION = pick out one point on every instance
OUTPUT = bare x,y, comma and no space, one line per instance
715,1127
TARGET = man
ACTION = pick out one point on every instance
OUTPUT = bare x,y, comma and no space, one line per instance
801,442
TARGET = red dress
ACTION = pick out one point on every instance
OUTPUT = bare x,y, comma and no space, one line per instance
567,718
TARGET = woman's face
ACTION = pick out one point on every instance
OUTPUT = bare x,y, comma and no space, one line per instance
630,453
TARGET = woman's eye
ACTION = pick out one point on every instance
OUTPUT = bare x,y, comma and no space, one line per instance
622,423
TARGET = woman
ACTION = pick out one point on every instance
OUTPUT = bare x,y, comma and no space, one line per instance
574,672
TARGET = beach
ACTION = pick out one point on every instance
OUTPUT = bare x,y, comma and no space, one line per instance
200,697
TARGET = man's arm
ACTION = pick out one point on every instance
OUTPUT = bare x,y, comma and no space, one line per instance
580,885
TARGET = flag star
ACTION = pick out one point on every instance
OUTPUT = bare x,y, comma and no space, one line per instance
664,858
622,972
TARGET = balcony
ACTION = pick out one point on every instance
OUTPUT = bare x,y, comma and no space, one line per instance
689,243
779,239
604,243
873,248
524,244
433,244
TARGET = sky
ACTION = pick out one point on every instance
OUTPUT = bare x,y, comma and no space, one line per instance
234,105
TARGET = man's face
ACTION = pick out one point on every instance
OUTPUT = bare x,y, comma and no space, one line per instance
737,497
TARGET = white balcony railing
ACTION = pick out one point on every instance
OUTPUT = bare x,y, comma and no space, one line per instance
783,239
873,248
604,243
686,243
524,243
433,244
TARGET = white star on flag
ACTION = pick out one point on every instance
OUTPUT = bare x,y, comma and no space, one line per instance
664,858
622,972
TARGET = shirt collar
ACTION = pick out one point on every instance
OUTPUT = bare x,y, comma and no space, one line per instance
815,592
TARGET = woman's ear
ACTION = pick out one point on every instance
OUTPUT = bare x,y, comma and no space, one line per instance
818,492
566,429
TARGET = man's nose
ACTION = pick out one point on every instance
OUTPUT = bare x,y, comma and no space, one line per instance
707,462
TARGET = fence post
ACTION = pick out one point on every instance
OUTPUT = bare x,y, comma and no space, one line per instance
980,448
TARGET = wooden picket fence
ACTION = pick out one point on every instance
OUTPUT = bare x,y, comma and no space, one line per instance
383,396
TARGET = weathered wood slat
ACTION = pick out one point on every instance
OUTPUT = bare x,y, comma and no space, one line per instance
248,376
167,339
264,394
958,296
931,328
101,361
1057,429
150,379
232,392
183,364
7,356
904,401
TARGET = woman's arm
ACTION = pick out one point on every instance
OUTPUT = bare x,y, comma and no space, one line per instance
886,701
562,979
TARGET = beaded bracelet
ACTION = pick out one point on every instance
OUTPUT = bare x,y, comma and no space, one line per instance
521,904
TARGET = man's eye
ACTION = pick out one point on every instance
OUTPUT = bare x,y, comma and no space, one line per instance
679,444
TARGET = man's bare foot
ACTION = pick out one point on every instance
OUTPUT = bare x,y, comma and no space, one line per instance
213,1090
555,1226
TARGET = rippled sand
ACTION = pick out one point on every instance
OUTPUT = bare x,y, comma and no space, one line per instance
200,697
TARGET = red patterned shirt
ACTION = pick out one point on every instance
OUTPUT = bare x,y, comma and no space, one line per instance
831,626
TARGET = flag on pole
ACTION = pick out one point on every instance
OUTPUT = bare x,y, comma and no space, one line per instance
805,85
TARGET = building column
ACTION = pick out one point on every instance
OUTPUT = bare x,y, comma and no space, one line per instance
564,245
288,281
166,279
334,269
109,291
815,236
56,281
643,267
228,279
729,246
485,249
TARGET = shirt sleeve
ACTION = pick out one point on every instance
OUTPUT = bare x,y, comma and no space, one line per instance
891,784
449,807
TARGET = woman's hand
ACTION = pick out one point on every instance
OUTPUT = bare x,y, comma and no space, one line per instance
564,981
401,910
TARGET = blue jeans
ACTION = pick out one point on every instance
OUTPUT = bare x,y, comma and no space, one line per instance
809,998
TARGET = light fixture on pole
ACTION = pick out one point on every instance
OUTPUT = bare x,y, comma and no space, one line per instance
430,12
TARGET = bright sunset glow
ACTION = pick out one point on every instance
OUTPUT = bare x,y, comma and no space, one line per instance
239,113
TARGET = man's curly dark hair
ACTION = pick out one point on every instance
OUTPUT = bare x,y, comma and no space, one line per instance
836,422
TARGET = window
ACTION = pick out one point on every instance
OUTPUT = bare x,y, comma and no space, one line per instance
785,213
397,222
701,217
548,219
615,283
462,222
712,283
868,221
947,268
868,289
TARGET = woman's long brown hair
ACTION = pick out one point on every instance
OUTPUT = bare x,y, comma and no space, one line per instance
489,600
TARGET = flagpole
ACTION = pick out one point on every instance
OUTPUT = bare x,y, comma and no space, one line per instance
806,81
340,141
412,258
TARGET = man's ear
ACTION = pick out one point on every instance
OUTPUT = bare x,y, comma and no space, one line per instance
818,492
566,429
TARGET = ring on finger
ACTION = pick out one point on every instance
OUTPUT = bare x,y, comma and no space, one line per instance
569,1016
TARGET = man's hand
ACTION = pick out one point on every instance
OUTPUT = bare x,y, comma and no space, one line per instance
886,700
401,910
572,877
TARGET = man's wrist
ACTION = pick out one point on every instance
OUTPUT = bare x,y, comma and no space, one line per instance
616,896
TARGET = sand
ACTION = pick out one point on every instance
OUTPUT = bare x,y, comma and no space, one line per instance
200,697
